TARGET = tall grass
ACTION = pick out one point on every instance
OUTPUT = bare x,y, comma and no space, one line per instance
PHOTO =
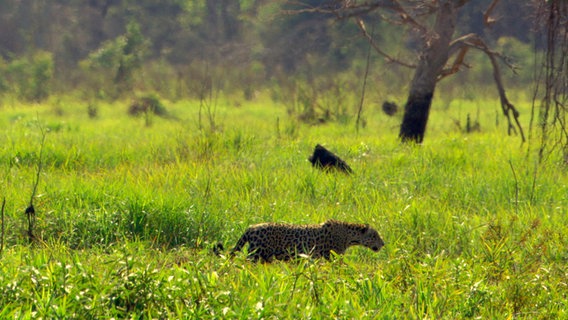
127,214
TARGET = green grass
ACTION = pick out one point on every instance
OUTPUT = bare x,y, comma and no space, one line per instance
127,210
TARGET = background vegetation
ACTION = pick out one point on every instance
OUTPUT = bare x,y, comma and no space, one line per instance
169,128
109,49
127,209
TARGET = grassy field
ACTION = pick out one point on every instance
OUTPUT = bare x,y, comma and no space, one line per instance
127,210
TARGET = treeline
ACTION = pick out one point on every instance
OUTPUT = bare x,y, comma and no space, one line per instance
185,48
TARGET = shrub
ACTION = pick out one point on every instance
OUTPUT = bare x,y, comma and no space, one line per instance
30,77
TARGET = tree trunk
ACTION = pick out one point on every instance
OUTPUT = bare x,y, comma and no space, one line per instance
432,60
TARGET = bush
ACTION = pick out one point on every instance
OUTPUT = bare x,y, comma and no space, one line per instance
112,68
149,103
30,77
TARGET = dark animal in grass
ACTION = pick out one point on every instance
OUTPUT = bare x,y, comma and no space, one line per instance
218,248
268,241
325,159
390,108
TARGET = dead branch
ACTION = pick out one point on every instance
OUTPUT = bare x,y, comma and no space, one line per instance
368,63
460,3
39,165
30,210
378,49
407,18
506,105
342,9
516,187
487,19
458,62
552,24
474,41
2,231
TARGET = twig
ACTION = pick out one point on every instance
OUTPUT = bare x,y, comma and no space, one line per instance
364,87
516,187
372,42
2,235
533,187
39,164
30,210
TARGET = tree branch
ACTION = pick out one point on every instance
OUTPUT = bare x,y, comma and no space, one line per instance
487,19
30,210
372,42
458,62
368,63
342,9
407,18
2,230
474,41
460,3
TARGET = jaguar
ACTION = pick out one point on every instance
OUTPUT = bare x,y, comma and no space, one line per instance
268,241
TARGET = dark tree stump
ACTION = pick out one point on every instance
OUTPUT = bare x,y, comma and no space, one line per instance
415,118
326,160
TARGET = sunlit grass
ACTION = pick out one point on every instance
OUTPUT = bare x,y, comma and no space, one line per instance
127,210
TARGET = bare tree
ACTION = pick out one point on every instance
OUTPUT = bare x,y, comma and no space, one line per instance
551,94
441,54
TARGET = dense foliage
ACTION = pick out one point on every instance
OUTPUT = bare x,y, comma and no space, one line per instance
107,48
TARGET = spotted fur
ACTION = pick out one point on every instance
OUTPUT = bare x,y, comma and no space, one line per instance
268,241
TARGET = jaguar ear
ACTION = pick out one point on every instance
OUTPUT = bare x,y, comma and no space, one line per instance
364,228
